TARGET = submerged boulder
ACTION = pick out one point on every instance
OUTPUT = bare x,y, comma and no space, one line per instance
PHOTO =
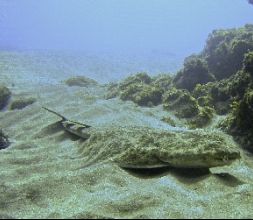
203,118
138,78
81,81
21,103
162,81
181,102
197,112
195,72
241,121
142,94
137,88
225,49
214,95
248,63
5,95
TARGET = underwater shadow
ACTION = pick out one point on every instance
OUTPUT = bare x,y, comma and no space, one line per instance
49,130
5,216
4,141
148,173
229,180
67,135
55,128
183,175
190,175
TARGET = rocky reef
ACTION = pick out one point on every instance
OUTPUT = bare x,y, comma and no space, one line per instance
180,101
225,49
217,81
195,72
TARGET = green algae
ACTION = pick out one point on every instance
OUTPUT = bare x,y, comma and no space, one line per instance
181,102
195,72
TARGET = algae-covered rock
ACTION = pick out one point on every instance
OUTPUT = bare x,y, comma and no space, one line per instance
205,101
203,118
136,88
145,147
4,142
21,103
81,81
142,94
5,95
169,121
238,84
248,62
214,95
162,81
198,113
242,120
195,72
138,78
181,102
112,90
225,50
239,122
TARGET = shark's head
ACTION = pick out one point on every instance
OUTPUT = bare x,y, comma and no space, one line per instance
154,158
202,159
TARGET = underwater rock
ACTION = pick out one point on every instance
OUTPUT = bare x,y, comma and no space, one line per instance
225,49
21,103
169,121
195,72
180,101
112,90
4,142
141,94
221,57
138,78
81,81
162,81
238,84
198,112
218,94
5,95
203,118
214,95
138,89
248,62
241,121
141,89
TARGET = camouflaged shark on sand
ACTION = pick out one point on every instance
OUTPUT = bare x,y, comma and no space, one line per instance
141,147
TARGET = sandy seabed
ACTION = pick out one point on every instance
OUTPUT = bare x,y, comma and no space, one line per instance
41,173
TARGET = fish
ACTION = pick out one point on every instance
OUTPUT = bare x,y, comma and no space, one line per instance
141,147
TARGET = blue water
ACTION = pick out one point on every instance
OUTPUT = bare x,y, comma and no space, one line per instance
108,39
125,27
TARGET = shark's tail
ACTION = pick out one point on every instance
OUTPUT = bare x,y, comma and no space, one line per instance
54,113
